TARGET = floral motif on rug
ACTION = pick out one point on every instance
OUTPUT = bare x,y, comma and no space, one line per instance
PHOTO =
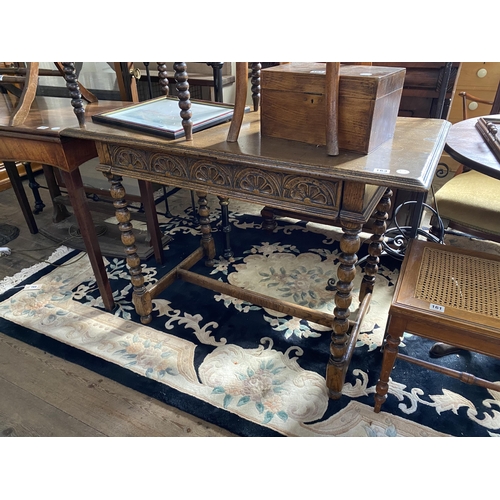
253,363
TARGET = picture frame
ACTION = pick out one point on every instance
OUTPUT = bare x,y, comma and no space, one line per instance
161,116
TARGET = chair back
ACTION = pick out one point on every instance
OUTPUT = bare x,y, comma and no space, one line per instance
26,75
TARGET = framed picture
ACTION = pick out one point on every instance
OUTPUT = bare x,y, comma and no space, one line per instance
161,116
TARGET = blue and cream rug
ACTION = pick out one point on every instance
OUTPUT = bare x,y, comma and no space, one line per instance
250,370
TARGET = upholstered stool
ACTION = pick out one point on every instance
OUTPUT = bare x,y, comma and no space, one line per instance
448,295
472,202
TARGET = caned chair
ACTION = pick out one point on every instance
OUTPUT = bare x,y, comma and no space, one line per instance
448,295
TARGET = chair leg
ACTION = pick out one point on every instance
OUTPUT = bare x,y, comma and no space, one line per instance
394,333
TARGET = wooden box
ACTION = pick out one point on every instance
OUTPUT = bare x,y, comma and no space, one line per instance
293,104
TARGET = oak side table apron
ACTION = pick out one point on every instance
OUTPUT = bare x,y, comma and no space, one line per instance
282,174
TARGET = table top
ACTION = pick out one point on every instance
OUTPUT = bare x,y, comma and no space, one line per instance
48,116
407,161
466,145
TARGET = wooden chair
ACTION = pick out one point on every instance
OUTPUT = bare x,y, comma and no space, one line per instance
54,181
27,77
445,294
470,201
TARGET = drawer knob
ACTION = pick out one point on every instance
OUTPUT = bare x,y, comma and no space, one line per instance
482,73
473,105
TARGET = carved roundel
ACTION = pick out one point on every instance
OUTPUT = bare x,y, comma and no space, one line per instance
170,165
311,191
127,158
257,181
210,173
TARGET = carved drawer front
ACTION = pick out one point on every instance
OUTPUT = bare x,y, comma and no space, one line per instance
284,190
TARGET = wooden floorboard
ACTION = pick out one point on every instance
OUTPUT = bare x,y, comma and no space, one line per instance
59,398
43,395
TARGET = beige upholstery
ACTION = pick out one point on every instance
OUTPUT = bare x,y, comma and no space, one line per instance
471,199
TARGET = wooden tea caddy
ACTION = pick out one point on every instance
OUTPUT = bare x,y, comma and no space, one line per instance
293,104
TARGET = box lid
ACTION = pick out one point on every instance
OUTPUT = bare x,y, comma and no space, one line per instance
363,82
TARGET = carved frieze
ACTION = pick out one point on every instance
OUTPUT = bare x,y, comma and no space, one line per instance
248,180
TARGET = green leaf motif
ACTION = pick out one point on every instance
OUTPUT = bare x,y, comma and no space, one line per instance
268,417
283,415
218,390
243,401
227,400
260,407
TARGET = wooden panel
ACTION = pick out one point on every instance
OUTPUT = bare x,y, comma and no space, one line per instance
482,87
456,114
470,79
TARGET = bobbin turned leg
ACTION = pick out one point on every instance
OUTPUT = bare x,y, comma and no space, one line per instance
395,331
375,246
268,219
226,226
141,297
346,272
207,241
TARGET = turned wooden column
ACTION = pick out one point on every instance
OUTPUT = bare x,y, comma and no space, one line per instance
255,81
163,77
74,92
141,297
346,272
207,241
226,226
375,247
182,86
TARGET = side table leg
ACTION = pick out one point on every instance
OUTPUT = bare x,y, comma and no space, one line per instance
375,247
268,219
346,272
226,226
395,329
207,241
22,199
76,193
141,297
148,202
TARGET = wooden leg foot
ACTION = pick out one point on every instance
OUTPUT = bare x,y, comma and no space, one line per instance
396,328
